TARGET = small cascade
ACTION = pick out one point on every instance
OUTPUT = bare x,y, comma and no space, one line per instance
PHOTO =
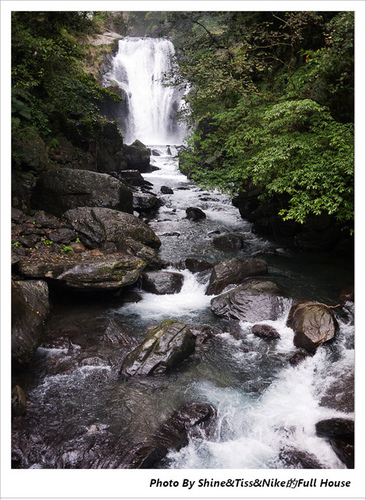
141,69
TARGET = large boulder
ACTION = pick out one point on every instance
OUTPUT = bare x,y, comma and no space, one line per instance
164,347
102,224
99,226
102,143
137,157
313,324
89,272
99,448
162,282
234,271
190,419
133,178
340,433
252,301
61,189
30,309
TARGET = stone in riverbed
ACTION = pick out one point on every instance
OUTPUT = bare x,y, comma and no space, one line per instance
162,282
145,202
137,156
313,324
190,419
234,271
164,347
18,402
252,301
228,242
30,308
340,432
266,332
298,459
195,214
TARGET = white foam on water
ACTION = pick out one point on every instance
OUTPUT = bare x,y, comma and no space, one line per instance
188,301
252,430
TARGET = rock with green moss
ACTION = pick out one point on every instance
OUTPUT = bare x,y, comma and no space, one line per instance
99,225
104,272
166,346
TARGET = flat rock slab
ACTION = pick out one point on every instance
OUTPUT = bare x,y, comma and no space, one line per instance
89,272
253,301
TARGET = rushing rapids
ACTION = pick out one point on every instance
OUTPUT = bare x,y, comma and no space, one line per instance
264,404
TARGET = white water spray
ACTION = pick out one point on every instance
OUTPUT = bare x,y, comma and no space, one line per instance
141,69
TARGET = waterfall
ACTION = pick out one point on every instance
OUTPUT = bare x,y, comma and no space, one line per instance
141,69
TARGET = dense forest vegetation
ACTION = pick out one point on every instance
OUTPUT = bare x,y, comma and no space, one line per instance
270,96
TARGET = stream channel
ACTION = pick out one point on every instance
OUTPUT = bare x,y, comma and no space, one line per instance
81,414
263,402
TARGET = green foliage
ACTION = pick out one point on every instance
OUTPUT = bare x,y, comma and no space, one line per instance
67,249
49,84
269,95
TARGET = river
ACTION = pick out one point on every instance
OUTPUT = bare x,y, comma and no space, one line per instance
263,402
81,414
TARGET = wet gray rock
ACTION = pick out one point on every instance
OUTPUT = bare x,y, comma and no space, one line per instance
145,202
195,214
133,178
61,189
137,156
197,266
228,242
234,271
166,190
266,332
99,225
340,394
162,282
164,347
30,309
313,324
299,356
252,301
191,419
298,459
340,433
105,272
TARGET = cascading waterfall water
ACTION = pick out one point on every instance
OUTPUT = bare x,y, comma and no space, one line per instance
141,69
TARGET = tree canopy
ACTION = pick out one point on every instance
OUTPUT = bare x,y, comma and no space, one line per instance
271,100
49,82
